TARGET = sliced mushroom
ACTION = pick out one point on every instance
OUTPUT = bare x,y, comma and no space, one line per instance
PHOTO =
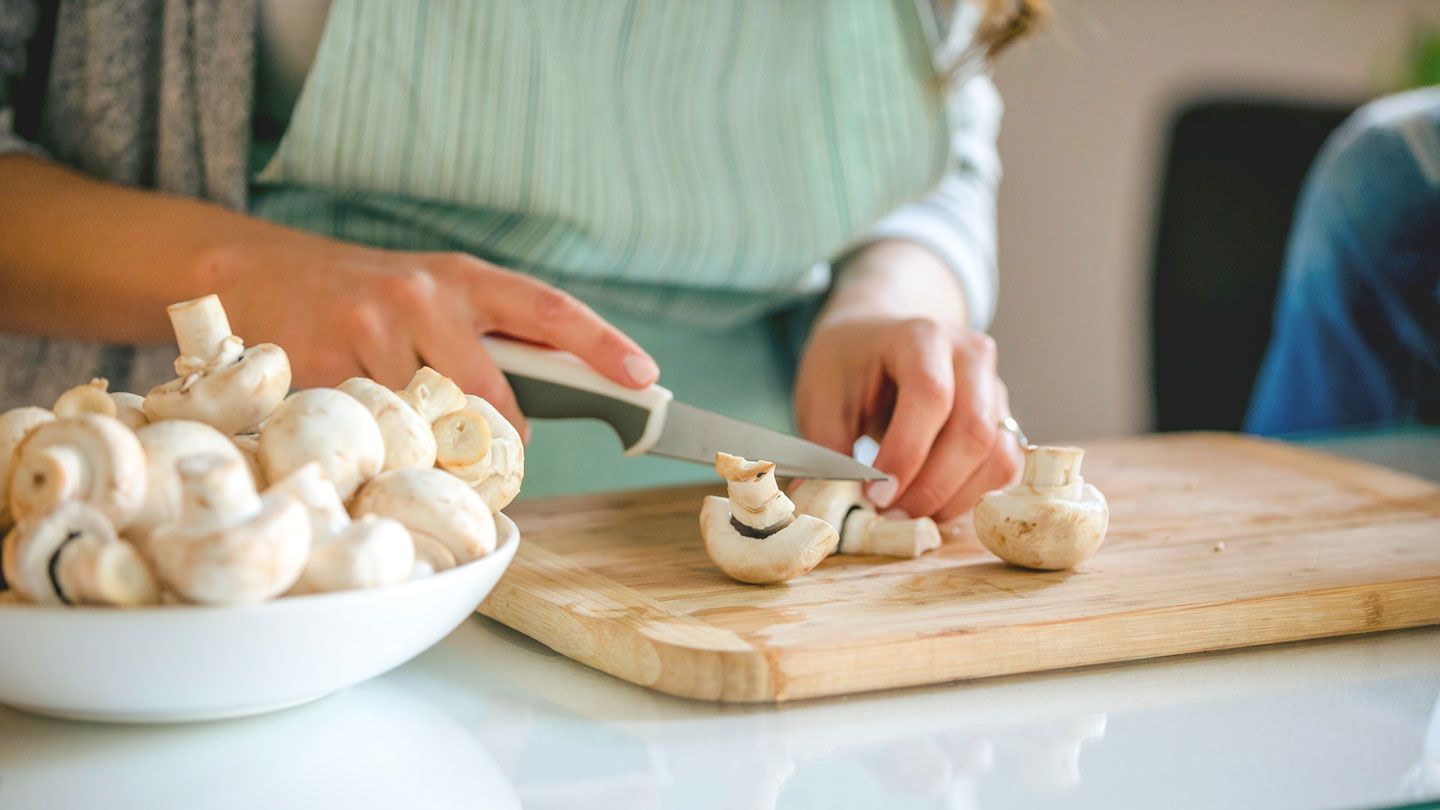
130,409
752,539
92,397
92,458
432,394
862,530
344,555
1051,520
71,555
230,544
409,441
433,505
165,443
220,383
15,425
327,427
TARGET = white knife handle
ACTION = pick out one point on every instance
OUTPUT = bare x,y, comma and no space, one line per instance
568,371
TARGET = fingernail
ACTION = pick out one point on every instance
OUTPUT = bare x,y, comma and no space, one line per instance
881,493
641,369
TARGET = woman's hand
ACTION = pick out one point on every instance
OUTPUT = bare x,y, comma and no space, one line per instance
342,310
891,357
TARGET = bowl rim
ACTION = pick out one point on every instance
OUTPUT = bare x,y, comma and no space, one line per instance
507,536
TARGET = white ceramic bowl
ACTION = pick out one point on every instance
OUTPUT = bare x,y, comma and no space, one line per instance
180,663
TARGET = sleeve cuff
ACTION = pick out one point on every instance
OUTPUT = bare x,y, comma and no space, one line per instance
930,228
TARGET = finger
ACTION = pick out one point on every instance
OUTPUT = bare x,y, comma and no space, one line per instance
452,349
385,353
535,311
996,472
922,370
824,409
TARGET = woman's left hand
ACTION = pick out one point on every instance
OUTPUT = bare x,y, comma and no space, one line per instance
891,357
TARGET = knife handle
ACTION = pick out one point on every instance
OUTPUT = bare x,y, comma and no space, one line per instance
552,384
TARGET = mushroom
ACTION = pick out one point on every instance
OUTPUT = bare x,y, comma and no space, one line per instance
230,545
71,555
92,397
325,426
432,394
344,555
862,530
15,425
220,383
754,535
409,441
1051,520
130,409
92,458
434,506
249,446
480,447
165,443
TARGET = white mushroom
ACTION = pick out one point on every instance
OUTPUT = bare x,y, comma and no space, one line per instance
15,425
130,409
366,553
432,394
862,530
1051,520
71,555
434,506
165,444
92,458
249,446
230,545
747,535
92,397
431,556
324,426
409,441
220,383
480,447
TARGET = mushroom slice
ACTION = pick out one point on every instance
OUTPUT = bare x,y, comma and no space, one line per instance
230,545
1051,520
165,443
344,555
92,397
433,505
755,497
92,458
130,409
862,530
432,394
325,426
408,439
505,465
759,558
71,555
220,383
15,425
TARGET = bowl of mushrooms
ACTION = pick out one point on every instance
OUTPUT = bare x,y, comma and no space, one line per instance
222,547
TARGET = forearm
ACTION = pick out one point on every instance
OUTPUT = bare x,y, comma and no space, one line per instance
896,279
80,258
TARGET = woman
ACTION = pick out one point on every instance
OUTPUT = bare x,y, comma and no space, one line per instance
705,174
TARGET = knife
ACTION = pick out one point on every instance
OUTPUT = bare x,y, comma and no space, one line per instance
551,384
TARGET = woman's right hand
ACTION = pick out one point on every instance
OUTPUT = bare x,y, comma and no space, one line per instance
342,310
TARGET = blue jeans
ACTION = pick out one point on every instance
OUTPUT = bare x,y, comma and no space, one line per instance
1357,325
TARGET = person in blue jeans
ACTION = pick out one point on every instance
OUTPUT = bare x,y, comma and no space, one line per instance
1356,337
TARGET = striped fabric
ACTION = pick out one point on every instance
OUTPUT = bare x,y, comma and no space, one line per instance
694,159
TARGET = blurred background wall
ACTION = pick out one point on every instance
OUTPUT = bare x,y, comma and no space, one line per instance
1089,106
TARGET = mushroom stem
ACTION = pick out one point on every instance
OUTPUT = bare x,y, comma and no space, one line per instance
92,572
58,474
462,441
755,498
1051,466
866,532
201,326
216,490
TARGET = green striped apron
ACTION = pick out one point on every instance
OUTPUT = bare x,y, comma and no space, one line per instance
685,167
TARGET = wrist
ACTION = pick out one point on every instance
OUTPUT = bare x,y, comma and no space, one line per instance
894,279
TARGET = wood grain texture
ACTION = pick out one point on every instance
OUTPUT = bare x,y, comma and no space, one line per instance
1314,546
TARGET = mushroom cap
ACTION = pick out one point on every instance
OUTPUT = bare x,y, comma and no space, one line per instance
496,473
92,397
15,425
233,398
434,503
1033,531
92,458
431,556
309,486
165,443
782,556
249,446
71,555
831,501
325,426
231,546
369,553
130,409
432,394
409,441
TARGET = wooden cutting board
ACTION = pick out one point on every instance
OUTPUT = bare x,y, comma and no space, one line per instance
1216,541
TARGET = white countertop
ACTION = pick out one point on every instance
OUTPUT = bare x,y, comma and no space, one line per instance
490,719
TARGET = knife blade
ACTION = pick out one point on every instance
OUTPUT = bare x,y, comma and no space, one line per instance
551,384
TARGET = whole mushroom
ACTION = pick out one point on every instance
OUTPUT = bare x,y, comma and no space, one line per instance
130,409
71,555
1051,520
220,382
15,425
165,443
92,458
328,427
480,447
862,530
365,553
409,441
754,535
437,508
92,397
230,545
